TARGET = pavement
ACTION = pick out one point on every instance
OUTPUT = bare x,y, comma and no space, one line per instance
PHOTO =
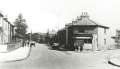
114,60
15,55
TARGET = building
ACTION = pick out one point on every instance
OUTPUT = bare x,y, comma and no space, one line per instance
117,39
6,34
51,36
83,28
51,33
6,30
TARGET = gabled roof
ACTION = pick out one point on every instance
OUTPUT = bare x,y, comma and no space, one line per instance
84,20
6,19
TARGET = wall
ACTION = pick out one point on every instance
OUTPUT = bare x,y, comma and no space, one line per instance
1,21
102,36
110,41
5,32
85,29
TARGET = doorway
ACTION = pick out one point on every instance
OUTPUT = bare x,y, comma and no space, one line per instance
87,44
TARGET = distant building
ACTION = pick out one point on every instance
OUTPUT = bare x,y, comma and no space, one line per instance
39,37
83,28
42,38
117,39
51,36
51,33
6,30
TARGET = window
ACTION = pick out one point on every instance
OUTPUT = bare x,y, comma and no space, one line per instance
81,30
105,41
105,31
88,40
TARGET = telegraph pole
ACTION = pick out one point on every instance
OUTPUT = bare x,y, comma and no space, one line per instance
30,35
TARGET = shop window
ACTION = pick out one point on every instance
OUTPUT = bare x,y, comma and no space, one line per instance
88,41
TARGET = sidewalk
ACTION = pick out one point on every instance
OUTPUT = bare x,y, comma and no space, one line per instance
114,60
16,55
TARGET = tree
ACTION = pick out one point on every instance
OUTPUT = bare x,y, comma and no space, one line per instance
20,26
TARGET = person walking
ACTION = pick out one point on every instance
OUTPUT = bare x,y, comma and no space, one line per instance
76,45
81,43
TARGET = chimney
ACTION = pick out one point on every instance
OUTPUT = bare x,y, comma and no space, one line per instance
5,17
84,15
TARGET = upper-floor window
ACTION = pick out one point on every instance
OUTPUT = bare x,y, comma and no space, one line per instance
105,31
81,30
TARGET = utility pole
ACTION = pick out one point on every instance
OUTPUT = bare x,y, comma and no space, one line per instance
30,35
66,36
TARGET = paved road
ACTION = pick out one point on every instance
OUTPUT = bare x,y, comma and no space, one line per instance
43,58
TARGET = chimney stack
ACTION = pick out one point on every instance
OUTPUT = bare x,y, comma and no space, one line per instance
84,15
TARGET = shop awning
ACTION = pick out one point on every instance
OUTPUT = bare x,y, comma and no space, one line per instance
82,37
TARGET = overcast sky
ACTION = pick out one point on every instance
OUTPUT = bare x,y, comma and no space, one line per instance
44,14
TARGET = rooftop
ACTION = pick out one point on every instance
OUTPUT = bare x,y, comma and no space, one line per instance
84,20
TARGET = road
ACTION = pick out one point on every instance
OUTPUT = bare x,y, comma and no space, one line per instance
43,58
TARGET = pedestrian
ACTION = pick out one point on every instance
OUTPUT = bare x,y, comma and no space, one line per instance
76,45
81,43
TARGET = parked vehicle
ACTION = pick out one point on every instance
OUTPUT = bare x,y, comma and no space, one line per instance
32,43
55,45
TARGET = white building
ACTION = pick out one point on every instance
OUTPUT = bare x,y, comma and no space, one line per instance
6,34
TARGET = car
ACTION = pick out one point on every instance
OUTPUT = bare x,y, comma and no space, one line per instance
32,43
55,45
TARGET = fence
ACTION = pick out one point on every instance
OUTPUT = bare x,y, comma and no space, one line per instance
13,45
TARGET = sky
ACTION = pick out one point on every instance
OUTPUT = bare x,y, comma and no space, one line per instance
42,15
